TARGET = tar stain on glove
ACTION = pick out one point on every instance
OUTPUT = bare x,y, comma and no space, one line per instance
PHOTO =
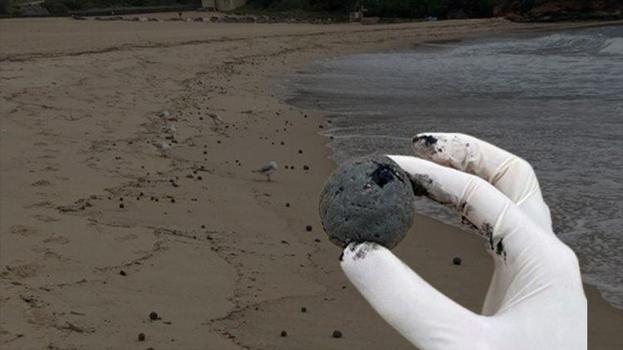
368,199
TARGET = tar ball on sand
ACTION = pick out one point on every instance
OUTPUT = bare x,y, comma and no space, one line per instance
368,199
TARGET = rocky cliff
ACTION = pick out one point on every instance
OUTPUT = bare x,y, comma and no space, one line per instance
555,10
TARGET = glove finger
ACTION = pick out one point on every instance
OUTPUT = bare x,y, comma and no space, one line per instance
508,173
422,314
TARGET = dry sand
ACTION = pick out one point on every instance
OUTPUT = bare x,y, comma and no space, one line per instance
99,226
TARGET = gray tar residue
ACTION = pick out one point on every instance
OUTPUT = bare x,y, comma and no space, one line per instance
554,99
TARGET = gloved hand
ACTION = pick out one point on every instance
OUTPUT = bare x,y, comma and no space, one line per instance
535,299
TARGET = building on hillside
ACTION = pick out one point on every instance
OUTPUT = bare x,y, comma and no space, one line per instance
222,5
208,4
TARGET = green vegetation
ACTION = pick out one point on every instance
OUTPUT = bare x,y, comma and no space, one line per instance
561,9
387,8
4,7
525,10
61,7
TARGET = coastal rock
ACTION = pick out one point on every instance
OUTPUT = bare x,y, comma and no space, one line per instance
558,10
368,199
33,10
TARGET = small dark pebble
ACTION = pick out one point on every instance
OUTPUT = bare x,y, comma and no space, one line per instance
153,315
172,200
308,228
122,273
300,151
287,205
305,167
337,334
457,261
141,337
203,226
284,334
303,309
121,206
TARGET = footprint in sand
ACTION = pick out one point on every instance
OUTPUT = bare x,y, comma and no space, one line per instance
20,271
22,230
46,218
49,254
50,168
128,237
41,183
56,240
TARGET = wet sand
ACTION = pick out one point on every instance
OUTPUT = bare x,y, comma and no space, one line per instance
108,213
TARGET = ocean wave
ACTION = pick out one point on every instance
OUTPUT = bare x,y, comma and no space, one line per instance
613,46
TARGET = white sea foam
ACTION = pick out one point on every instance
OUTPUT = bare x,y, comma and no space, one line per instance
612,46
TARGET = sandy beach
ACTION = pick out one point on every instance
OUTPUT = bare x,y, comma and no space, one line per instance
126,190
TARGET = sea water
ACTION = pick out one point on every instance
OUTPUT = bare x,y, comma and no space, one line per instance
554,99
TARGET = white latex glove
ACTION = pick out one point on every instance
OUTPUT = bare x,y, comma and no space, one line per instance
535,299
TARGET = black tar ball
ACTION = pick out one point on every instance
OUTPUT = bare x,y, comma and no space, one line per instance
368,199
456,260
153,315
336,334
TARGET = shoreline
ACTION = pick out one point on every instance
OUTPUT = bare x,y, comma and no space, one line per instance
92,100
